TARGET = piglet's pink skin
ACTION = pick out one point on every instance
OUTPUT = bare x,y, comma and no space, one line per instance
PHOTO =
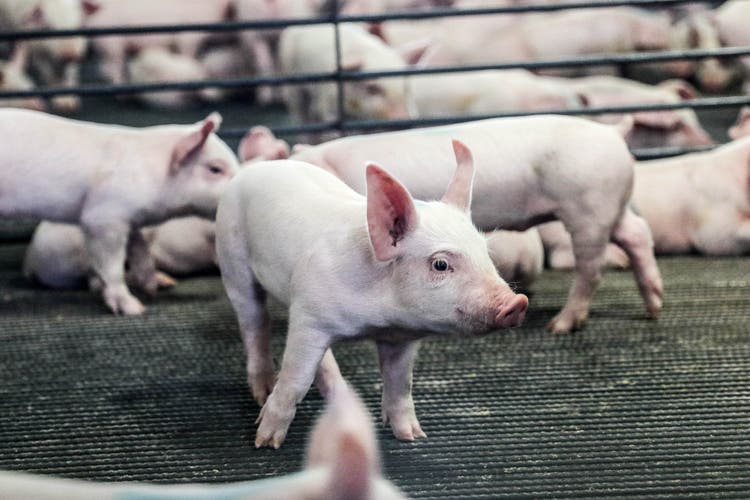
529,170
111,180
381,266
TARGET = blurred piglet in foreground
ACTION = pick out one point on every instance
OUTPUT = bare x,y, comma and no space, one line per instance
694,203
342,463
57,256
111,180
529,170
382,266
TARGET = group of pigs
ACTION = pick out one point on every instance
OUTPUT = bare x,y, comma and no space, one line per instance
392,45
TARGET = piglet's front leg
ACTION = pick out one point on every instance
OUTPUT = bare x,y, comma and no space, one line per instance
304,351
396,367
105,242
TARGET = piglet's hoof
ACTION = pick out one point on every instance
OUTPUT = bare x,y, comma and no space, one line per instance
273,425
124,304
163,280
404,424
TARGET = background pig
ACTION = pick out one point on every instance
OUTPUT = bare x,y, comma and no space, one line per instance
529,170
111,180
310,49
491,91
160,65
382,267
517,255
678,127
558,249
113,50
731,21
342,463
55,61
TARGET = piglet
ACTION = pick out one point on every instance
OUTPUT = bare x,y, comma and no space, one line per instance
342,463
529,170
517,255
111,180
382,266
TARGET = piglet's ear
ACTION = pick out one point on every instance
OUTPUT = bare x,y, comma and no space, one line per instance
90,7
390,212
459,188
193,141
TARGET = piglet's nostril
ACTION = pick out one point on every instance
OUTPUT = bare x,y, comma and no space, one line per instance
512,311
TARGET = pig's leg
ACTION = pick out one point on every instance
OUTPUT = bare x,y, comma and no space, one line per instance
265,65
328,375
142,271
589,244
249,301
305,348
396,366
106,243
633,235
68,103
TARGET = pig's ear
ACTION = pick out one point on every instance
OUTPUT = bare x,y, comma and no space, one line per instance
666,119
416,52
680,87
391,214
459,188
90,7
194,140
736,131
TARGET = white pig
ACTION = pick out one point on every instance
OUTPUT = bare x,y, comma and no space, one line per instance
160,65
490,91
517,255
677,128
731,21
55,60
114,49
57,256
529,170
111,180
311,49
342,463
381,266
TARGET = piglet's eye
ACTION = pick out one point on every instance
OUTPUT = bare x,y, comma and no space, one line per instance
215,169
440,265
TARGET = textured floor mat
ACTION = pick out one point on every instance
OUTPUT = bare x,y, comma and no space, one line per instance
627,407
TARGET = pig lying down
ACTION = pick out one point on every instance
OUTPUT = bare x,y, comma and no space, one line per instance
342,463
382,266
111,180
529,170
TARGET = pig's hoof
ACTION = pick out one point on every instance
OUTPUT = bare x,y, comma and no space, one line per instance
272,428
261,384
163,280
127,305
404,425
566,323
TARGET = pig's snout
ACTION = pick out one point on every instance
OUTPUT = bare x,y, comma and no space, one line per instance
511,311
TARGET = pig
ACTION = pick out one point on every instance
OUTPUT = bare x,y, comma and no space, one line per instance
160,65
56,61
111,180
14,78
342,462
529,170
490,91
517,255
731,22
381,266
227,61
57,256
310,49
114,49
261,45
675,128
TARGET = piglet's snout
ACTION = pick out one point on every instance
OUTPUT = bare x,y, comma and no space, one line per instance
511,310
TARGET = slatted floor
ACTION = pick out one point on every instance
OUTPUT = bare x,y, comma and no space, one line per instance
627,407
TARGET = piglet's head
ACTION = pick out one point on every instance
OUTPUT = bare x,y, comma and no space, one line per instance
201,166
442,276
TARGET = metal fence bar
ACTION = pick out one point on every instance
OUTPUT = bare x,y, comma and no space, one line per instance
281,23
